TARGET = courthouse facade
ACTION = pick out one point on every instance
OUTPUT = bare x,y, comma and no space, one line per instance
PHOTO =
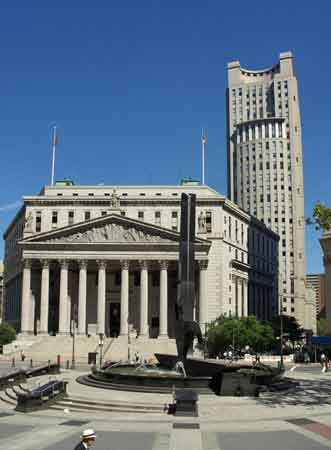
107,257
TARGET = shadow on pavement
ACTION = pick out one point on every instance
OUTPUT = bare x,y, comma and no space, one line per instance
302,393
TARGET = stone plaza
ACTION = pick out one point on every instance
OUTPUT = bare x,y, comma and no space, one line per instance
296,419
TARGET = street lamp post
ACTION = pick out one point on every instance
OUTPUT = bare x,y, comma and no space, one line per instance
281,366
100,348
73,329
73,362
129,342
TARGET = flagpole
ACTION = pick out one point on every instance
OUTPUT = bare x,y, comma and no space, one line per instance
203,142
53,153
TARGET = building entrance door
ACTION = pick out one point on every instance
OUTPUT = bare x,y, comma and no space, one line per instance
114,319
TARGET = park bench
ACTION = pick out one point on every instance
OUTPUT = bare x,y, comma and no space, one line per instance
41,396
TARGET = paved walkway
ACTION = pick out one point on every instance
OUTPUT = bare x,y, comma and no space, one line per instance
299,419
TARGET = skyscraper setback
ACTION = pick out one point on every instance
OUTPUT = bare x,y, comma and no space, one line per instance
265,173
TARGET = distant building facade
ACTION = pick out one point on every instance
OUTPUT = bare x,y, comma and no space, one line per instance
1,290
317,282
265,169
108,257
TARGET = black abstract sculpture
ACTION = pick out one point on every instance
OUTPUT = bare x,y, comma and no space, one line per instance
186,328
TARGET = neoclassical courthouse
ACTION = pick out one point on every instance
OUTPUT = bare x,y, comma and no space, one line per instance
107,257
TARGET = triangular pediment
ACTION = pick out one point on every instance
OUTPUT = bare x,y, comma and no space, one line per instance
110,229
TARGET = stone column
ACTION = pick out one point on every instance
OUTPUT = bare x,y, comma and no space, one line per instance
101,296
239,297
63,306
245,295
69,313
163,329
82,286
44,297
144,332
32,311
234,298
124,298
26,298
203,297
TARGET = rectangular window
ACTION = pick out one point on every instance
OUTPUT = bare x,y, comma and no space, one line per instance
103,213
208,222
54,218
38,221
122,213
174,220
157,218
87,215
71,215
141,215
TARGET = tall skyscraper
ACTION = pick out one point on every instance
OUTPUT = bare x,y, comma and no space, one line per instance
265,175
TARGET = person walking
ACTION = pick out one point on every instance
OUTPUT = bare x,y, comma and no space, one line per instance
87,440
324,362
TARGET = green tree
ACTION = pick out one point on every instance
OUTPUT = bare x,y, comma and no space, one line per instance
321,217
7,333
225,332
291,328
321,326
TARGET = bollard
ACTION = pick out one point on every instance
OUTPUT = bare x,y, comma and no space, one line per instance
13,362
59,360
68,364
31,363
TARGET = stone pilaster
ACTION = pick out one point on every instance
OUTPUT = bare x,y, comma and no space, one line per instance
163,329
82,297
63,308
143,299
245,298
203,296
239,297
44,299
101,296
26,298
124,298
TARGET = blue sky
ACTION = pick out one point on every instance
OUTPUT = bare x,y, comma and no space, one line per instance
131,83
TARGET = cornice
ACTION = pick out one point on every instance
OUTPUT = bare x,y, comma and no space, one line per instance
124,202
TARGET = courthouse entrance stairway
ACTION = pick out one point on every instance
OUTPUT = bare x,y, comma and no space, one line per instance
115,349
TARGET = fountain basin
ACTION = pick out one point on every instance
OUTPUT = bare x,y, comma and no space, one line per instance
204,377
150,379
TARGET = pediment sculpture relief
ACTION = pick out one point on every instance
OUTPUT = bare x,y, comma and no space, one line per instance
111,233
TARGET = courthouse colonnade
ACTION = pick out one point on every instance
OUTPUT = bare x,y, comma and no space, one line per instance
28,307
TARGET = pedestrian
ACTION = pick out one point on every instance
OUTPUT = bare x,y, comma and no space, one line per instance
306,358
323,362
22,355
87,440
